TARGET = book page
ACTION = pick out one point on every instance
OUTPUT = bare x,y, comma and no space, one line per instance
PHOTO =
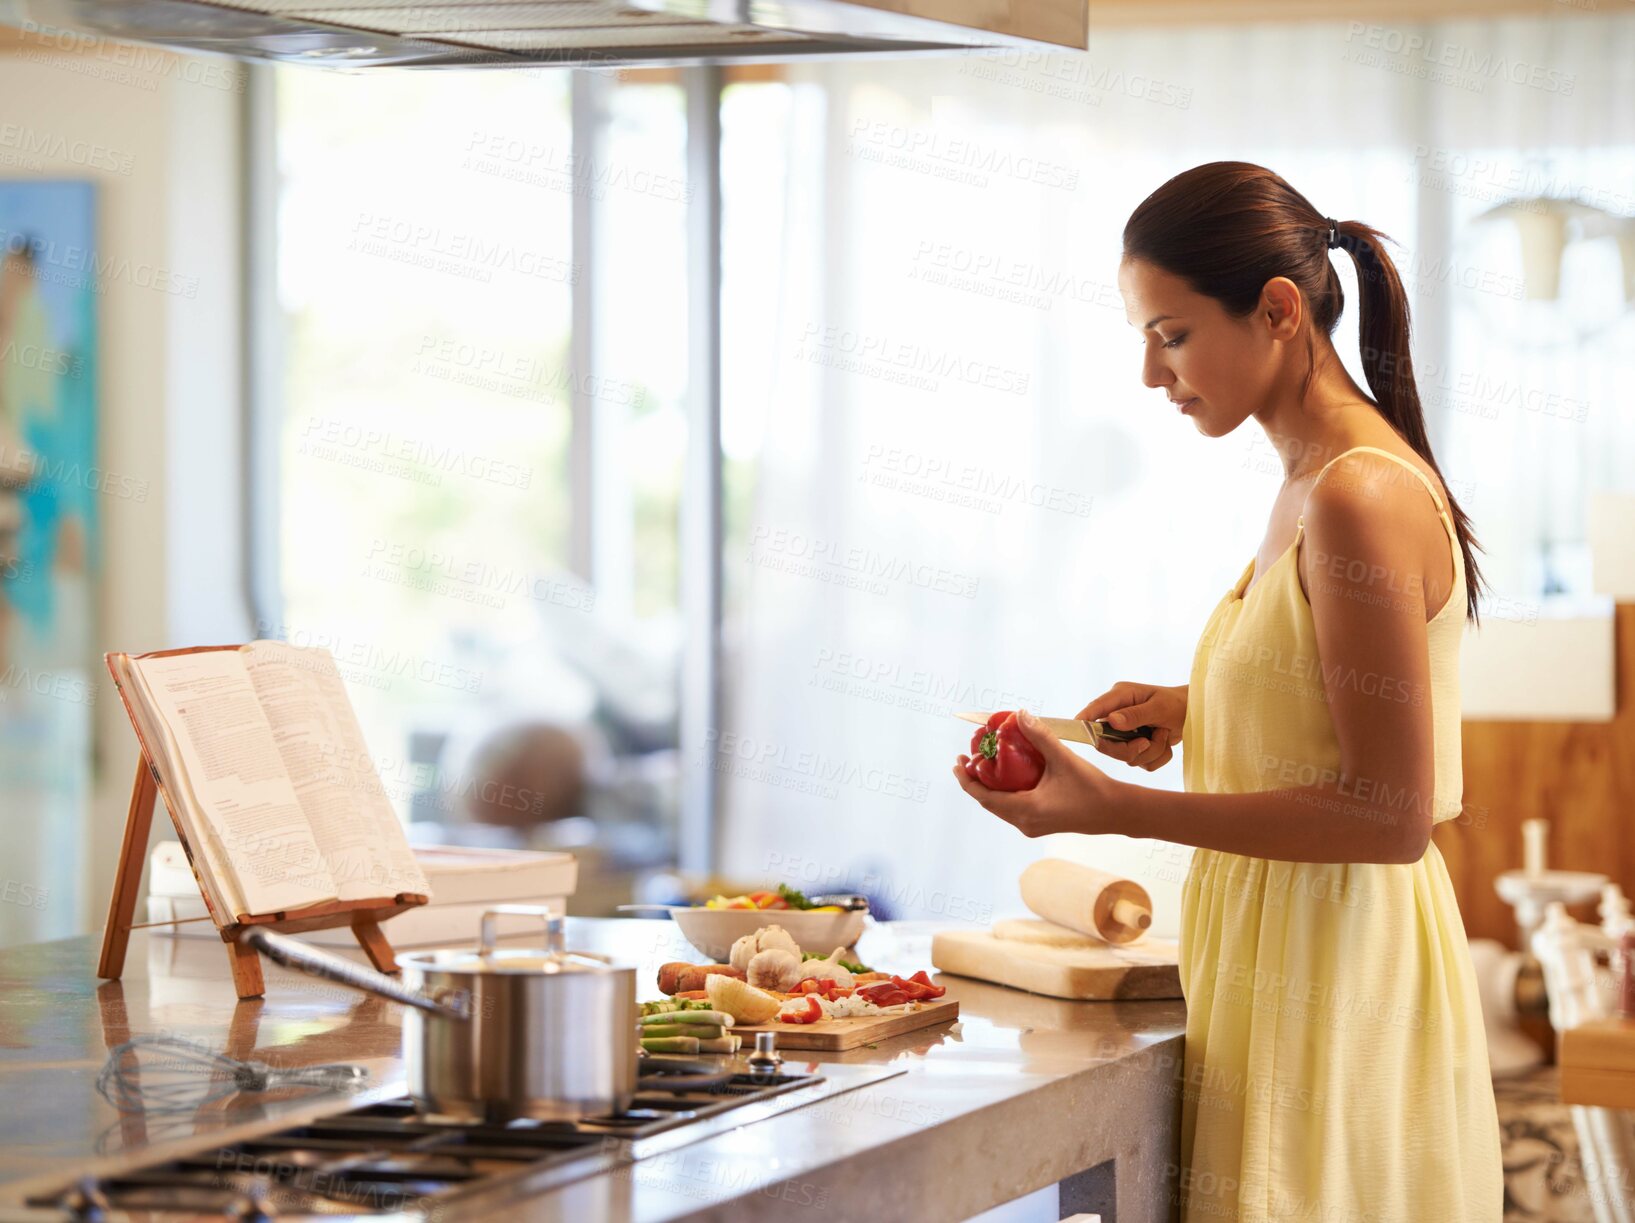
323,749
212,872
232,768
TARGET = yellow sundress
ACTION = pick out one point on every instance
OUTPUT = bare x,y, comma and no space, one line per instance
1336,1064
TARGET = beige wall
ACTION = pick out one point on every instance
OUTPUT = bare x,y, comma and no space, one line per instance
158,133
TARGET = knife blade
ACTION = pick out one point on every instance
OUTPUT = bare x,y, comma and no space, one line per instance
1074,730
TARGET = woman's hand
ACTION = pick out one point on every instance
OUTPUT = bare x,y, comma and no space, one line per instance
1072,796
1125,706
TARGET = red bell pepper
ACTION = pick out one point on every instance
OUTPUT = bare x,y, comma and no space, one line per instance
883,993
931,990
1001,756
823,987
902,989
812,1014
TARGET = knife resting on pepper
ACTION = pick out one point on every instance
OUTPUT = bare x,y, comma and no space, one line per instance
1075,730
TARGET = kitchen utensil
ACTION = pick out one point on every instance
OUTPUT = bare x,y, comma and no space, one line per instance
1095,903
1148,969
1074,730
837,1035
497,1034
183,1076
854,901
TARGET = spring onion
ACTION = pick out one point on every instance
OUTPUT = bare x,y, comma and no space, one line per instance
703,1031
717,1018
670,1005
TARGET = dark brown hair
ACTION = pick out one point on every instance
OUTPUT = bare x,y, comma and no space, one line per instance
1227,227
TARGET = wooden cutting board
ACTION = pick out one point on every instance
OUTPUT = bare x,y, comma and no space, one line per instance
833,1035
1148,969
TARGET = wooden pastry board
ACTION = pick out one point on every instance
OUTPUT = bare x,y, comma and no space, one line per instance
1147,969
833,1035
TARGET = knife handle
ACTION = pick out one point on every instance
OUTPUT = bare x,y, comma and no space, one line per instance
1124,736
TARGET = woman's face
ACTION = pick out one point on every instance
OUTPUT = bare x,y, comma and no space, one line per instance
1217,369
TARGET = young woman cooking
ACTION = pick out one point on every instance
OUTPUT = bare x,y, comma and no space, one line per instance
1336,1063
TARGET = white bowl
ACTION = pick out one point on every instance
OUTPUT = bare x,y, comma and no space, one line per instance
714,931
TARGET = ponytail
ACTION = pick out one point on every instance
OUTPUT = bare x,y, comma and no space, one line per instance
1383,328
1227,227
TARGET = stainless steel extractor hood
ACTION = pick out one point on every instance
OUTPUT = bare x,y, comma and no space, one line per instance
599,33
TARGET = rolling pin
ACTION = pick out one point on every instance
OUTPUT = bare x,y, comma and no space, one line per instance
1093,902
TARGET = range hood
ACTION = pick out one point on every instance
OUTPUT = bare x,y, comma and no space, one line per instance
588,33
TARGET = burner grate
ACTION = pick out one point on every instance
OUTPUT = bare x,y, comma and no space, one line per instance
386,1157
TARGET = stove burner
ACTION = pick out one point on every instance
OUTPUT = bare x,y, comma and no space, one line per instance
386,1157
658,1073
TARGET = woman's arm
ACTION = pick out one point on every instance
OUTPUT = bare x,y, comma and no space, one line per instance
1367,549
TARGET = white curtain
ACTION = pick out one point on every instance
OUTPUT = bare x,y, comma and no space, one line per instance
963,497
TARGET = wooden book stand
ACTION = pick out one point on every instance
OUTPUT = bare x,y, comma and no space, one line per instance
364,916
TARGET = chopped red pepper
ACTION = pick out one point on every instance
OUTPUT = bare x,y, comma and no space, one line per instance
902,989
884,993
1002,758
932,990
812,1014
823,986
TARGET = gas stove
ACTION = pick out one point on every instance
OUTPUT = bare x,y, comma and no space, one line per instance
386,1158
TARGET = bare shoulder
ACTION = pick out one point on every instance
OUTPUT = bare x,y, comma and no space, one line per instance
1374,478
1371,522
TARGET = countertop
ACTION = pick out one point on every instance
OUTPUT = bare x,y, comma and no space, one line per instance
1022,1092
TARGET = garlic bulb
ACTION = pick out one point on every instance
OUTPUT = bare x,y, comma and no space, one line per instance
776,969
767,938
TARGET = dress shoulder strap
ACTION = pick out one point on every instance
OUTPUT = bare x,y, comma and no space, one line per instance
1395,458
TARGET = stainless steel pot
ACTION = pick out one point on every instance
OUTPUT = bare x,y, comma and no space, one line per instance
497,1034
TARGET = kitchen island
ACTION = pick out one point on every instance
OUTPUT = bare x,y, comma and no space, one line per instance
1021,1093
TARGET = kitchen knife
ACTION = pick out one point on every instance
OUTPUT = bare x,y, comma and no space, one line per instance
1075,730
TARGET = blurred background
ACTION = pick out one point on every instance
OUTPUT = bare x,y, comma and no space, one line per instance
412,366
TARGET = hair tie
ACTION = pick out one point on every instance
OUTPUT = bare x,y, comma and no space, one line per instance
1333,232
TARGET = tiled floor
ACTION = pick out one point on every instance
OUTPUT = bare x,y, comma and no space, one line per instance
1543,1180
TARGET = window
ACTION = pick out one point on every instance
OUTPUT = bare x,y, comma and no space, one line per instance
512,658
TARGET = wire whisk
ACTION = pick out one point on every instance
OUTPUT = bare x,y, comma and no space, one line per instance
166,1074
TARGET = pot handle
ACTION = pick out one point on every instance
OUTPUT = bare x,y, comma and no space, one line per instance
296,955
555,927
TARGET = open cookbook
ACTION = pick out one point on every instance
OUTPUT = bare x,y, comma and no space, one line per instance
260,755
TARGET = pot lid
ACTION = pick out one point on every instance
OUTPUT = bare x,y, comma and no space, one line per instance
552,959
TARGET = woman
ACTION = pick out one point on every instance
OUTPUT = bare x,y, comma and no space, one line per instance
1336,1064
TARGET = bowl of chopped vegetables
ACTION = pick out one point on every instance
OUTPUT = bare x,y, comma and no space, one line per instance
713,927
